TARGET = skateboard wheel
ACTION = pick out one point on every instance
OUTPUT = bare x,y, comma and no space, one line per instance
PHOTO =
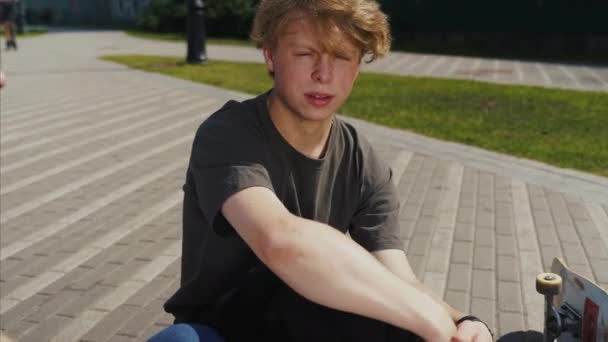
548,283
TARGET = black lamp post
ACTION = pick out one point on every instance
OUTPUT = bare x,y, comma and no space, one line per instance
196,33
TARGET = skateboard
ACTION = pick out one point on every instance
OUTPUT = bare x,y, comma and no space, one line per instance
576,309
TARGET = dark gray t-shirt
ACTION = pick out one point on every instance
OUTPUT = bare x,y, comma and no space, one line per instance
238,147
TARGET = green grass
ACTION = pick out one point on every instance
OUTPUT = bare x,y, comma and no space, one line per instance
175,37
560,127
31,34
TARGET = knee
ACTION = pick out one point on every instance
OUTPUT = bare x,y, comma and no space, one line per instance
186,332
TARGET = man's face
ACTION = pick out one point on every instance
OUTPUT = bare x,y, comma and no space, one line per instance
311,83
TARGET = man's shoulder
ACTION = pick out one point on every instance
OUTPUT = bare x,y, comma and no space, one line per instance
238,111
234,117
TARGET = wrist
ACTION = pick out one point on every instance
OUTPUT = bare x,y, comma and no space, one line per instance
440,322
474,319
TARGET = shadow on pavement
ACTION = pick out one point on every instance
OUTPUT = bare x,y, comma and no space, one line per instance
522,336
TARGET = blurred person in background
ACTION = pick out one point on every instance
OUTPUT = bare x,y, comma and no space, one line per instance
2,80
7,17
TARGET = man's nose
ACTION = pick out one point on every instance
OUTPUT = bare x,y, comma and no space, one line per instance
323,69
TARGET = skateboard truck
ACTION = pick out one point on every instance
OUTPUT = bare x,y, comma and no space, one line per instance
557,320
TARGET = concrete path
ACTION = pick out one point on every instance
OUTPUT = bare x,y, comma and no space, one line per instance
93,156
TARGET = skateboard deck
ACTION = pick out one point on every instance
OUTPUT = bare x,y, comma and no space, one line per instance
582,305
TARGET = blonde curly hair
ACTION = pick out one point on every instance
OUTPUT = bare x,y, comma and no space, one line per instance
362,21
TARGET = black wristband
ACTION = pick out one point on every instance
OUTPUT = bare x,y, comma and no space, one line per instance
474,319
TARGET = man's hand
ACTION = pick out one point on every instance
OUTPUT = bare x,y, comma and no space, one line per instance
471,331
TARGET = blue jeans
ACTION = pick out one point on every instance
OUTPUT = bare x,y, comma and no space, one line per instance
187,332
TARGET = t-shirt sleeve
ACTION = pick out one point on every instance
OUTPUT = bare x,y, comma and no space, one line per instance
375,225
228,156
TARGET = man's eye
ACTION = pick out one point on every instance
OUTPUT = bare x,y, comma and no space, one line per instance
303,53
344,57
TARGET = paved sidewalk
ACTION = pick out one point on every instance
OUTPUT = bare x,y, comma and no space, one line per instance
93,156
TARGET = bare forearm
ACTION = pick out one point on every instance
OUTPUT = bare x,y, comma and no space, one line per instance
396,262
455,314
326,267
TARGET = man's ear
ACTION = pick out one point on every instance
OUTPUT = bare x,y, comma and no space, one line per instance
268,59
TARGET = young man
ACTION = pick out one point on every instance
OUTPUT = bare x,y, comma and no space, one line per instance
276,182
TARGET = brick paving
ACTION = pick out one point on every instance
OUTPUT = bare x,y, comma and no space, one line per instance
93,156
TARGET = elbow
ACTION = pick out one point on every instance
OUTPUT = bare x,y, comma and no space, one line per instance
279,248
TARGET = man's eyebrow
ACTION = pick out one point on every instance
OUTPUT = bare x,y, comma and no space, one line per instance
302,44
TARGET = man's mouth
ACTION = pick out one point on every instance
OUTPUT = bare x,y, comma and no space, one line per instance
319,99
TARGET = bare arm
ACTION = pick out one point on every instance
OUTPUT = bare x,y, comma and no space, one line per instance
396,261
326,267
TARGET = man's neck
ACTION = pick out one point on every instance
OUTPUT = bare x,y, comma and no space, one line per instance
307,137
